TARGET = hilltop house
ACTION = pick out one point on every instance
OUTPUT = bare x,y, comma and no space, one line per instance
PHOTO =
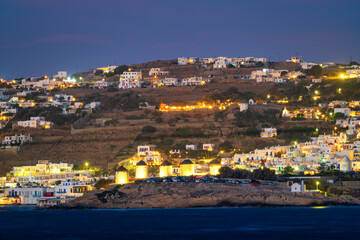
17,139
268,133
34,122
193,81
130,79
158,72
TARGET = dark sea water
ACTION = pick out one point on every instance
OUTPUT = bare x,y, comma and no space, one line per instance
200,223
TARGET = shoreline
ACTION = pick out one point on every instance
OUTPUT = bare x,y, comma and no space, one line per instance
200,195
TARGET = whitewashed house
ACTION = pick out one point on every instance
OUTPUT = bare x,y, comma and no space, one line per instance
190,147
130,79
243,106
158,72
208,146
193,81
168,82
17,139
34,122
27,195
268,133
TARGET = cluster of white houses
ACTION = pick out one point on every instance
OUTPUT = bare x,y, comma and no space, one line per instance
222,62
68,104
134,79
45,183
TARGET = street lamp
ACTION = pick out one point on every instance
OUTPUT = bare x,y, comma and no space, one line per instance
317,186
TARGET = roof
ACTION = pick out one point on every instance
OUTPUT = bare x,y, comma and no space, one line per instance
121,169
215,162
166,163
345,160
141,163
186,161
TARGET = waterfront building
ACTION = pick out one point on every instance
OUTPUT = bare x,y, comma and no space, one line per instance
141,170
121,175
165,169
27,195
187,168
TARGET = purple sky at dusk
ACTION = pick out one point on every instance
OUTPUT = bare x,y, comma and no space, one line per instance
40,37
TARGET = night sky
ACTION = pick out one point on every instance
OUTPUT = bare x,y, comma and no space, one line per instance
40,37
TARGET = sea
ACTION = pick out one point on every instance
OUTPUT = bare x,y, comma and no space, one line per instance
191,223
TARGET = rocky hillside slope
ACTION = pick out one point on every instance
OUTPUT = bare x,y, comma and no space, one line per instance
185,195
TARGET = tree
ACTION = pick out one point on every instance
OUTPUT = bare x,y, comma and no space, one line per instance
283,73
226,146
252,131
316,71
339,115
121,69
103,183
148,129
226,172
98,72
288,170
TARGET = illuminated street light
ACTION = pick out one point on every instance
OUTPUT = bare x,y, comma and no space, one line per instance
317,186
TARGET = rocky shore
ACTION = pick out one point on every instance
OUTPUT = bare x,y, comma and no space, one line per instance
187,195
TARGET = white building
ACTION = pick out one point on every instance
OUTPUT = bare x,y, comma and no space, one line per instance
296,187
107,69
61,74
129,83
71,188
190,147
193,81
168,82
208,146
243,106
295,60
64,98
34,122
353,73
158,72
130,79
307,65
221,62
17,139
187,60
267,73
101,84
268,133
27,195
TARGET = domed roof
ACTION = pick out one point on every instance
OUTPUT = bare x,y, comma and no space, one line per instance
186,161
166,163
141,163
121,169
